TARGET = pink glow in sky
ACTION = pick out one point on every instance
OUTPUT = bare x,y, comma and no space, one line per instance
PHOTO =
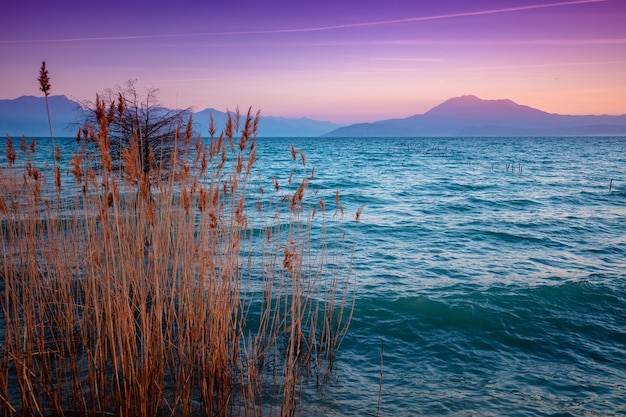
344,61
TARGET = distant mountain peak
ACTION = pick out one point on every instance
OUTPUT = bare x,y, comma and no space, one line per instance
34,98
469,101
468,98
470,115
472,106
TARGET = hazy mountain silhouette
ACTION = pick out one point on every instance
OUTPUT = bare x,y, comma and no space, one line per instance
460,116
472,116
26,115
269,126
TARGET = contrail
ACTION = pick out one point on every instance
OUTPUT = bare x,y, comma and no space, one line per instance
420,19
396,42
317,28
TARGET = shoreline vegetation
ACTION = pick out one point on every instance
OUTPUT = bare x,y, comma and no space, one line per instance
183,289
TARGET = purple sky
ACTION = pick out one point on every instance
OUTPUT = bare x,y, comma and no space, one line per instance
344,61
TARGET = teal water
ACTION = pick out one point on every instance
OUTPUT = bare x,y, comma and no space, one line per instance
491,274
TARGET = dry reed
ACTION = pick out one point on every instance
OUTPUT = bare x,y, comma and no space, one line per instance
191,293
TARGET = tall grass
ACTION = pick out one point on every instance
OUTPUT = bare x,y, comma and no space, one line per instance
196,291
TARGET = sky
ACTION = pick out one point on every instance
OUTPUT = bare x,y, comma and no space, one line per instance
341,61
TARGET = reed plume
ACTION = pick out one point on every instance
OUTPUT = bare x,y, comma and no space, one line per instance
44,86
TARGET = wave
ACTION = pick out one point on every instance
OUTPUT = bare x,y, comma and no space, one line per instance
497,345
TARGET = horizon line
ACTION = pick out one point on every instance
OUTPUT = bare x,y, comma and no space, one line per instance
343,124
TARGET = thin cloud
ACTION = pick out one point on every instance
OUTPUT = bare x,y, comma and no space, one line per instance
490,42
372,42
546,65
406,59
315,29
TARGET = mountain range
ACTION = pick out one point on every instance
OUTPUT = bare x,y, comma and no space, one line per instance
460,116
27,116
472,116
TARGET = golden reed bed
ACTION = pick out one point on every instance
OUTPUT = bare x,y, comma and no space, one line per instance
182,289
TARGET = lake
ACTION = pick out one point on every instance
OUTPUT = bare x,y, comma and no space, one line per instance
490,274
